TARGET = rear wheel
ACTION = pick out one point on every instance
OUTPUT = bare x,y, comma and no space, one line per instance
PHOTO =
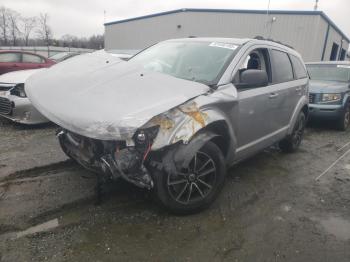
196,187
292,142
344,120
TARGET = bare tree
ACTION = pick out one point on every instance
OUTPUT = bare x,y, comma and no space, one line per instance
4,24
21,29
96,41
29,23
44,30
67,40
14,17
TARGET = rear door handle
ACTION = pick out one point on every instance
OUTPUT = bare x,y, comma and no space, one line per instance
273,95
298,89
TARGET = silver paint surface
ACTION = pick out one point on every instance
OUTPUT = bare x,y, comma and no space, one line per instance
23,112
110,100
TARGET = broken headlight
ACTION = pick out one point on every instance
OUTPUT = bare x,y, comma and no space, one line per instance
145,137
18,90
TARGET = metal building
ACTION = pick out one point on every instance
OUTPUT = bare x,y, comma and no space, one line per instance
312,33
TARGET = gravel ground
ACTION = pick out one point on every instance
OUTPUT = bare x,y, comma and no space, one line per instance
27,147
271,209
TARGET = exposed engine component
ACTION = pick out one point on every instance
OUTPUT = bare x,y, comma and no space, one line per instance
140,177
113,157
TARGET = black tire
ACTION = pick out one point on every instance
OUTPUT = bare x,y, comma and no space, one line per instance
64,149
344,120
292,142
194,189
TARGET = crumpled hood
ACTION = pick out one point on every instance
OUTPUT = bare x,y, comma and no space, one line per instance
317,86
106,99
18,77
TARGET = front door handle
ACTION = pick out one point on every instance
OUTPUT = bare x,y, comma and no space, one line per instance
298,89
273,95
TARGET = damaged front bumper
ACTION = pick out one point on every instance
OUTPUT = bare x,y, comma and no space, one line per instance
135,153
19,110
112,158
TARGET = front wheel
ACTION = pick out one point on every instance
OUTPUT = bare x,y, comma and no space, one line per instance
292,142
344,120
196,187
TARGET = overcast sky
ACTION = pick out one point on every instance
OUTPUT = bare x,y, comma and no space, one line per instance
86,17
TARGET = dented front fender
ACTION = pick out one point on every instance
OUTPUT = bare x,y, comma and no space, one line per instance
183,122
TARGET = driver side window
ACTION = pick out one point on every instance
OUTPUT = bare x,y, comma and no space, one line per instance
255,60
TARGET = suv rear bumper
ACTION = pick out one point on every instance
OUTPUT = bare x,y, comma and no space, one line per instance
325,111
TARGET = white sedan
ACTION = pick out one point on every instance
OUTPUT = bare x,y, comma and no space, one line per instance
14,104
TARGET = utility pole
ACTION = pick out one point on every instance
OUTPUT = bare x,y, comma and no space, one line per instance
316,6
268,19
268,10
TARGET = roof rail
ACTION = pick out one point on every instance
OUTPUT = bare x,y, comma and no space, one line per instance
258,37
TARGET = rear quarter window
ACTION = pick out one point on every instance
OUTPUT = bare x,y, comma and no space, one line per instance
282,70
28,58
10,57
299,69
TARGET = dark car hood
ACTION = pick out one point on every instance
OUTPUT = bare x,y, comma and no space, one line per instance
104,98
317,86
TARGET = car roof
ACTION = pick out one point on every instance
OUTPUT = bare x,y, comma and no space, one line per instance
20,51
329,63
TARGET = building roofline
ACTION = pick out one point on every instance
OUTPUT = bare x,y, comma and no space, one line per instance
240,11
336,28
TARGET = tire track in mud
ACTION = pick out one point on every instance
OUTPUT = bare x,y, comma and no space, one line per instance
40,171
27,195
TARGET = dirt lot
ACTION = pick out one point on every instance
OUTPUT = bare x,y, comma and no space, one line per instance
271,209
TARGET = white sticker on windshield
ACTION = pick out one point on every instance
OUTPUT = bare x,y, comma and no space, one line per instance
224,45
343,66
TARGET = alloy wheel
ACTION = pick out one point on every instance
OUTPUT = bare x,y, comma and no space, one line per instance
346,118
298,132
195,182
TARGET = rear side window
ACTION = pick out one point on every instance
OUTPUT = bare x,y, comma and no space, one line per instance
282,70
299,69
28,58
10,57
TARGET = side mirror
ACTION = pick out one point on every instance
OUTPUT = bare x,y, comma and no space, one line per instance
253,78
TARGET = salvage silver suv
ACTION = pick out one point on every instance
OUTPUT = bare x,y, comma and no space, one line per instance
175,116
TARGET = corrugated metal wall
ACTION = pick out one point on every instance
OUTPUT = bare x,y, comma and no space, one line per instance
335,38
306,33
139,34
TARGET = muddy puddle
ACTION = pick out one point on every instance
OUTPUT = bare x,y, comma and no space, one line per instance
337,226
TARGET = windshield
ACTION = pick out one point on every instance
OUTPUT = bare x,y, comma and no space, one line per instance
59,56
196,61
329,72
